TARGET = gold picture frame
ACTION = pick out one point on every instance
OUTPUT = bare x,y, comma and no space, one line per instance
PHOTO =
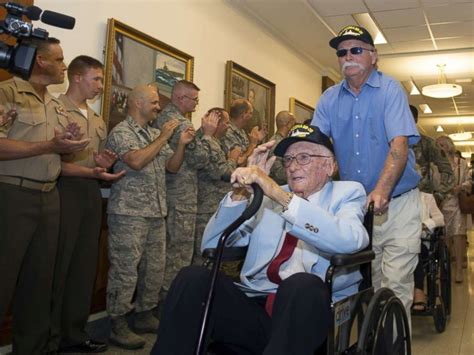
242,83
300,110
133,58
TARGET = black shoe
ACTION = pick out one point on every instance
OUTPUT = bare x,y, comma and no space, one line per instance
89,346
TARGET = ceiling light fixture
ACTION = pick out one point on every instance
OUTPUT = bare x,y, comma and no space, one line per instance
425,108
439,129
460,136
442,90
366,21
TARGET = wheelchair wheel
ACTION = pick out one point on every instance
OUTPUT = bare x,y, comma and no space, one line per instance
445,277
358,311
439,316
385,327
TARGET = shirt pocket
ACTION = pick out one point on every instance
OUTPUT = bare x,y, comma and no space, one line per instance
101,133
30,113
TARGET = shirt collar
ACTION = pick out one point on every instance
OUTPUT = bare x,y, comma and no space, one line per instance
70,107
373,81
25,86
135,126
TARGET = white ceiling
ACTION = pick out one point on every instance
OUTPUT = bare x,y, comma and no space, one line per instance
420,35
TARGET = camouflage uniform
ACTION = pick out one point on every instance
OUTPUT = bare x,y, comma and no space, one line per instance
181,197
278,172
136,218
235,137
211,189
428,158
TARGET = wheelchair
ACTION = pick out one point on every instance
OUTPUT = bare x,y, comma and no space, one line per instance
437,269
367,322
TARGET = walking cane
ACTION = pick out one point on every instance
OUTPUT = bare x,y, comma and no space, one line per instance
248,213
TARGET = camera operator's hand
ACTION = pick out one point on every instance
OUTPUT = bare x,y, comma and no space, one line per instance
64,142
7,117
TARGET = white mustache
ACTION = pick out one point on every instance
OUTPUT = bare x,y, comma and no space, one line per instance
351,64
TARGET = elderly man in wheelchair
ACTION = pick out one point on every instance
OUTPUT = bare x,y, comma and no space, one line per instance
281,305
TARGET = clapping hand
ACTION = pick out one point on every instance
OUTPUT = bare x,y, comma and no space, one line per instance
209,123
7,117
187,136
105,159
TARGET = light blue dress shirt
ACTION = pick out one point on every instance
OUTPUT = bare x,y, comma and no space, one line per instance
328,222
362,127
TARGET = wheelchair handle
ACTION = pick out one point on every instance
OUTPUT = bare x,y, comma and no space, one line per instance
248,213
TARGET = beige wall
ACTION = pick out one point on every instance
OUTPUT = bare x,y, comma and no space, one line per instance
210,30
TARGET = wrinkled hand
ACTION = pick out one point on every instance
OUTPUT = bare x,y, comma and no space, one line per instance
234,154
74,131
168,129
245,177
63,142
102,174
209,123
259,157
7,117
257,136
187,136
105,159
380,200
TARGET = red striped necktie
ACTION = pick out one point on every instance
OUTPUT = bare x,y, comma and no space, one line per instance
287,249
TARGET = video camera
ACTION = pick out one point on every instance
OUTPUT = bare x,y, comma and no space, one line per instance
19,59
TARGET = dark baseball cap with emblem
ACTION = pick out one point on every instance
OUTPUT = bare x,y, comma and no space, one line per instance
352,32
303,133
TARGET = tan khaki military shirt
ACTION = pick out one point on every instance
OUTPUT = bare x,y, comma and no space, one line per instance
35,122
140,192
92,126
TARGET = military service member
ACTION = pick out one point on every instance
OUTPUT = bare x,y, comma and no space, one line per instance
81,212
34,132
240,113
284,121
437,176
211,188
136,214
182,187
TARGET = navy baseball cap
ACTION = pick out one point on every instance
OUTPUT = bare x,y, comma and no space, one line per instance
303,133
352,32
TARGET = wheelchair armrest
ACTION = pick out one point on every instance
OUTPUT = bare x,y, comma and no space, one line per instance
230,254
359,258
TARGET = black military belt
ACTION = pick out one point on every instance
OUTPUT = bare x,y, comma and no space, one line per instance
28,183
403,193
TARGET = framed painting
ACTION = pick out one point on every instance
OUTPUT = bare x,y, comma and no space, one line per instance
301,110
133,58
242,83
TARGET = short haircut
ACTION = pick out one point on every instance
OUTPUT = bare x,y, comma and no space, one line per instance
82,63
219,110
184,84
239,107
42,45
283,117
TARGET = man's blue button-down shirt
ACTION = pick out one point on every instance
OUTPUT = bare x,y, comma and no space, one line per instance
362,127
